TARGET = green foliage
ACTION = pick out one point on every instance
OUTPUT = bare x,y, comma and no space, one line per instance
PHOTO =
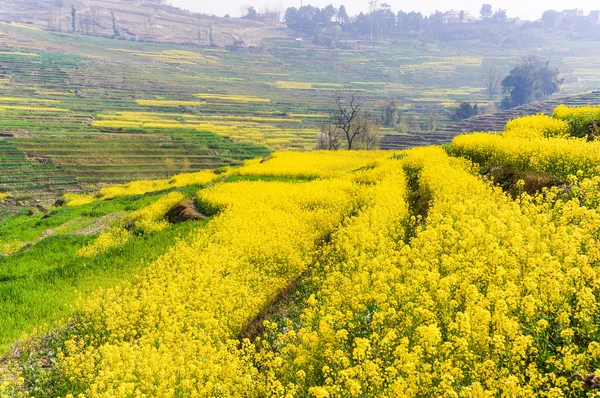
26,228
466,111
73,16
40,285
528,81
486,11
116,30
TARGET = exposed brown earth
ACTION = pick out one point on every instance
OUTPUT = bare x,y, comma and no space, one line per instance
184,211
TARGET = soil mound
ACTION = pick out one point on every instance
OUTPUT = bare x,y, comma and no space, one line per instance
184,211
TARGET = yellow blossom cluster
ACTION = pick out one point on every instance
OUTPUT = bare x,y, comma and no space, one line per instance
176,57
563,112
27,100
311,165
146,186
552,156
109,239
78,199
290,85
173,120
152,217
213,79
556,146
491,298
413,276
10,247
580,119
146,220
536,126
55,93
167,103
253,129
232,98
173,332
31,109
4,195
22,54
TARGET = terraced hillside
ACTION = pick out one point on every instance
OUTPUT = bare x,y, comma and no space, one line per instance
497,121
486,123
84,110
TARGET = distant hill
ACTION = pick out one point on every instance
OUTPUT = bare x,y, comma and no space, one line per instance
147,20
492,122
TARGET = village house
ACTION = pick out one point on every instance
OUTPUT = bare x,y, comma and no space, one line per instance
453,17
239,45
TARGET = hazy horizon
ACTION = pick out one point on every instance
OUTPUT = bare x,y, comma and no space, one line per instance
531,11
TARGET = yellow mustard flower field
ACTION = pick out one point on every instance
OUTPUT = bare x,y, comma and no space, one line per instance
417,273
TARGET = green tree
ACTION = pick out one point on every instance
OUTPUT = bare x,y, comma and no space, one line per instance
328,13
486,11
549,18
522,85
550,81
528,81
116,31
251,13
211,38
73,17
342,15
466,111
387,112
500,16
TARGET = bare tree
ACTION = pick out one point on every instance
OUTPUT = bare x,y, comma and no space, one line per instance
279,9
530,61
373,4
244,9
347,112
51,21
369,135
146,28
116,31
387,111
73,18
349,122
95,21
172,168
329,138
429,122
268,11
185,165
491,77
59,4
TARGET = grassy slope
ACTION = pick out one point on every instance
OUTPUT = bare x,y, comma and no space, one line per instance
41,284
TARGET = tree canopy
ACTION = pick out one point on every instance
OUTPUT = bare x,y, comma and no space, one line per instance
465,111
486,11
528,81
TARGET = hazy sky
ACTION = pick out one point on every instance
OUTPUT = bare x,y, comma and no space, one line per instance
531,9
